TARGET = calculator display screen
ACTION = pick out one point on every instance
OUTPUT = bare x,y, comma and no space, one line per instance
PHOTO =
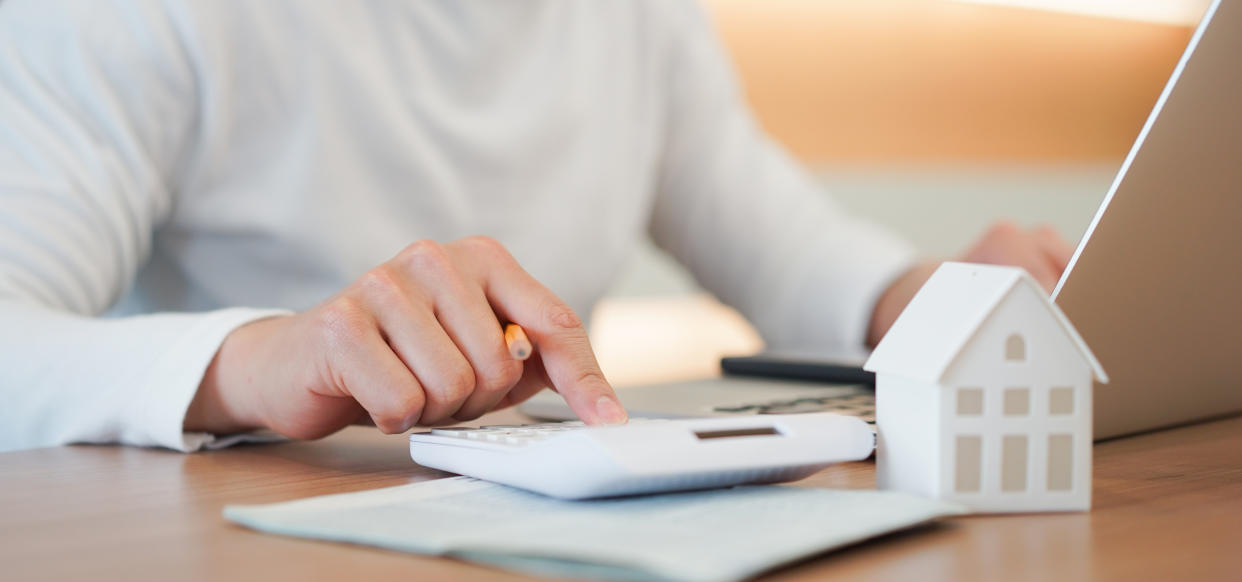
736,432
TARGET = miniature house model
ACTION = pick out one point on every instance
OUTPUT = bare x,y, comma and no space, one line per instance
983,395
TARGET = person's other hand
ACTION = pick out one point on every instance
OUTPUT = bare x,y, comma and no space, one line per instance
417,340
1041,251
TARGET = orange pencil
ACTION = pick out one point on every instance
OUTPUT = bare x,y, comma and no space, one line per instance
519,344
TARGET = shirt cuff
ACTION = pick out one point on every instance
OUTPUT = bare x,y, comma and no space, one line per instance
174,379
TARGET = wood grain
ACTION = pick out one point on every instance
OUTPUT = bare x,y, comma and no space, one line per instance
1167,505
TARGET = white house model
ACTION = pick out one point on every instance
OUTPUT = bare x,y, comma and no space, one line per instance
983,395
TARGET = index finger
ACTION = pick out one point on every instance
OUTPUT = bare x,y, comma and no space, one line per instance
559,337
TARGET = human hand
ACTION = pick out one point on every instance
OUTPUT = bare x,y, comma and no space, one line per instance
416,340
1041,251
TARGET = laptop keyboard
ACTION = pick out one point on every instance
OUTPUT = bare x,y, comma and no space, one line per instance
860,405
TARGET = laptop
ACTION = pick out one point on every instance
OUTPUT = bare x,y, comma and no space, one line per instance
1154,287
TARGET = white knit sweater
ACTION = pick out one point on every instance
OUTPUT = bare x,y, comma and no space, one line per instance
171,170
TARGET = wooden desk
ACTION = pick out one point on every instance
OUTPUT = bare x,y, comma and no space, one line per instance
1167,506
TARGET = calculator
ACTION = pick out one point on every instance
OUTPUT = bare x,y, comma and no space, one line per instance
569,460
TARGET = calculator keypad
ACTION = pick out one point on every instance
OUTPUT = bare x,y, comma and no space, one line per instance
515,434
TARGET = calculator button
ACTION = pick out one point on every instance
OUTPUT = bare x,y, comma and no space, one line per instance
452,431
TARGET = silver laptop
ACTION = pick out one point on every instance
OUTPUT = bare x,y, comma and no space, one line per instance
1155,286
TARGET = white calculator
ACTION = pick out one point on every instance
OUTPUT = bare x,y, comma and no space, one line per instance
572,461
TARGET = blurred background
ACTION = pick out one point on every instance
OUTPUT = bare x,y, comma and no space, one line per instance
934,117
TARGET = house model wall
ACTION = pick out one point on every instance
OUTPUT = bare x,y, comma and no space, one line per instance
983,395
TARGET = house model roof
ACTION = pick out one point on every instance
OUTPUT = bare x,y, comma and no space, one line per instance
945,314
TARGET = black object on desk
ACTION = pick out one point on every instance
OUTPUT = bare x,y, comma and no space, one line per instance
805,370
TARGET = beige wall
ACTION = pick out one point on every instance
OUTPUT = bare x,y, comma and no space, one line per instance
932,118
935,81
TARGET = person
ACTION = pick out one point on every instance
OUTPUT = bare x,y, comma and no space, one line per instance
227,216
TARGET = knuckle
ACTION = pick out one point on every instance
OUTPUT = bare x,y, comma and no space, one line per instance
502,377
460,384
590,377
421,246
454,387
562,316
484,244
396,416
1005,228
425,255
379,283
388,424
487,250
343,321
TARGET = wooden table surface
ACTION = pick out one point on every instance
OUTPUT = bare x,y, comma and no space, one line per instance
1167,505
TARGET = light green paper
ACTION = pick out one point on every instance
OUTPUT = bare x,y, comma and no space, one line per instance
720,535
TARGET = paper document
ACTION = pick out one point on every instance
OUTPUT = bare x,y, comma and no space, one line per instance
709,536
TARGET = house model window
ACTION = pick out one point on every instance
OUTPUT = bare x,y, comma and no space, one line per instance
1017,401
1061,400
1015,348
970,401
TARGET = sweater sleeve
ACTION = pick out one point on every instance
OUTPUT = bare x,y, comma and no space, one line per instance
752,226
97,104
